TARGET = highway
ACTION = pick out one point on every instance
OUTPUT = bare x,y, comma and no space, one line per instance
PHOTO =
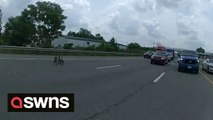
108,88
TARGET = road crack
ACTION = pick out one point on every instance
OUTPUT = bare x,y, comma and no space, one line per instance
113,106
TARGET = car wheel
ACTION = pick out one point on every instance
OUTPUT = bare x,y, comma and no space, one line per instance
179,70
208,69
196,72
203,68
151,62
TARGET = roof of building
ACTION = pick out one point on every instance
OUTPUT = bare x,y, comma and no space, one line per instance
83,39
122,45
88,39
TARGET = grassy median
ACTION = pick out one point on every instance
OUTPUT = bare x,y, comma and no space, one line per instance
32,51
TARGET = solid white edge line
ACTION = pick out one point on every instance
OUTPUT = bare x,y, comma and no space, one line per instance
158,78
113,66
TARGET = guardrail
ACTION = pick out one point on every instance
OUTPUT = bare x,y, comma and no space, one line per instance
53,51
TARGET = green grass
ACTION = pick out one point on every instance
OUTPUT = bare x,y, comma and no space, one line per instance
64,52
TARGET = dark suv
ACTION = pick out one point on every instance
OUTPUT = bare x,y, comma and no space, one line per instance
189,61
148,54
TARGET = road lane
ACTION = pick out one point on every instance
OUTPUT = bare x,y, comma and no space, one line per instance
95,90
177,96
103,93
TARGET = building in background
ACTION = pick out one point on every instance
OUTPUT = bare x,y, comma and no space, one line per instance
79,42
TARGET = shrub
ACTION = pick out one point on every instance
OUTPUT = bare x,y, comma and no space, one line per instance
68,46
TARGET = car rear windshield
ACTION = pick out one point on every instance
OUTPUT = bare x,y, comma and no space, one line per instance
170,51
189,53
160,53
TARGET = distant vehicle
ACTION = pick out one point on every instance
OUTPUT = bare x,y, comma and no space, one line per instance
159,57
148,54
208,65
171,53
160,48
188,61
169,56
178,56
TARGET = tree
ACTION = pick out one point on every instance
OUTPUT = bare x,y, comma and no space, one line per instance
48,21
105,46
200,50
1,14
99,37
84,33
133,46
1,39
68,46
108,46
113,43
18,31
71,34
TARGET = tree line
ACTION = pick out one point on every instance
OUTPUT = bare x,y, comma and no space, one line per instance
37,25
104,46
42,22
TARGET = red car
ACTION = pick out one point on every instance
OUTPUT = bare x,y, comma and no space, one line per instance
159,57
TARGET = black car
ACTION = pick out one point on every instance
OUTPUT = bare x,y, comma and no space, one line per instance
159,57
148,54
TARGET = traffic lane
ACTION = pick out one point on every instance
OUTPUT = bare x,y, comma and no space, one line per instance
41,69
51,57
48,88
98,90
118,87
176,96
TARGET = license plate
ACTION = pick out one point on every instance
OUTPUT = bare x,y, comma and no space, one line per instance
189,67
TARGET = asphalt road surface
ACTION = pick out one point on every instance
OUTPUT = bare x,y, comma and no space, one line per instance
108,88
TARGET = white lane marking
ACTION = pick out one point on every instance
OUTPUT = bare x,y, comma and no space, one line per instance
158,78
105,67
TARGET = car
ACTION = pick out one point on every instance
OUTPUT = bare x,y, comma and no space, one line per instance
148,54
169,57
159,57
208,65
171,53
188,61
178,56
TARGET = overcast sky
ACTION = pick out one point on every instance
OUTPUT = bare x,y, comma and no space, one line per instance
175,23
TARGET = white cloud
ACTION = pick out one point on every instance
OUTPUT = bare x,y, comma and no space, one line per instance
175,23
189,31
